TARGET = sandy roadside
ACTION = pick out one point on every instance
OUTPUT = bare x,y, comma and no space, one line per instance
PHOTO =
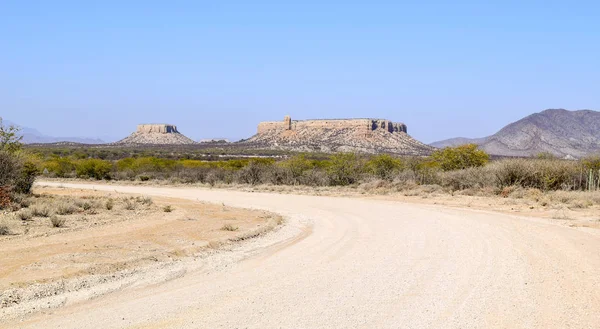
100,251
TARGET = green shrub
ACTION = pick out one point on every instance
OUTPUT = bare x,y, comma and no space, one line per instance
424,171
460,157
344,169
25,179
297,166
93,168
10,138
9,168
384,166
60,167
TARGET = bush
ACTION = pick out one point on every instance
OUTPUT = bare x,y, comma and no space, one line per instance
60,167
110,203
384,166
540,174
65,209
9,168
24,215
424,171
4,230
147,201
344,169
40,211
296,166
10,138
167,208
56,221
93,168
460,157
25,179
470,178
5,197
129,205
254,172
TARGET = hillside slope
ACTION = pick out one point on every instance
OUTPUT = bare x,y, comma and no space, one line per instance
557,131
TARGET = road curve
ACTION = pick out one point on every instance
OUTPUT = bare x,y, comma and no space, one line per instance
369,264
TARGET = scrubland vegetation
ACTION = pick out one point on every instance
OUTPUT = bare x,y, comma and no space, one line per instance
454,169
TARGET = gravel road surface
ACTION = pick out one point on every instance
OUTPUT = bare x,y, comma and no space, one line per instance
365,263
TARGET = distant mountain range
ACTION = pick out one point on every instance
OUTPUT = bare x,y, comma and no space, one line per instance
32,136
557,131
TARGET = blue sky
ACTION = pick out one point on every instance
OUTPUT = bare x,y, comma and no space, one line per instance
217,68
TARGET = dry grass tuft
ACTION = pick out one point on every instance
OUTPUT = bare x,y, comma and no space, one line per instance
129,205
110,204
229,227
65,208
168,208
25,215
41,211
4,230
57,221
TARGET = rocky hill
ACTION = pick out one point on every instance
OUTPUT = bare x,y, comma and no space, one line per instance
337,135
557,131
156,134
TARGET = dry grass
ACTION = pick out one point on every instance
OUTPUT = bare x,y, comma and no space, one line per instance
129,204
109,204
229,227
24,215
68,209
65,208
41,211
57,221
4,230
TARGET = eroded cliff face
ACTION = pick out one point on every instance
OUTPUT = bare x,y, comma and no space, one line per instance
337,135
359,125
156,134
157,128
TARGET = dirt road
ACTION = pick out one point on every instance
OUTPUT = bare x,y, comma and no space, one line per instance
369,264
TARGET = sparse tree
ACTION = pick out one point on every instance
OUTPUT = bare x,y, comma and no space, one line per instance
10,138
460,157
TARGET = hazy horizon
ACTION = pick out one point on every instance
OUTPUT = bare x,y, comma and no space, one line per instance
217,69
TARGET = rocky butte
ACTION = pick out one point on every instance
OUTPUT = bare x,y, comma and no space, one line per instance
156,134
337,135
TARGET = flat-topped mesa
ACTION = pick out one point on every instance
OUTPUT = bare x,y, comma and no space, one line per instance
360,125
157,128
155,134
336,135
